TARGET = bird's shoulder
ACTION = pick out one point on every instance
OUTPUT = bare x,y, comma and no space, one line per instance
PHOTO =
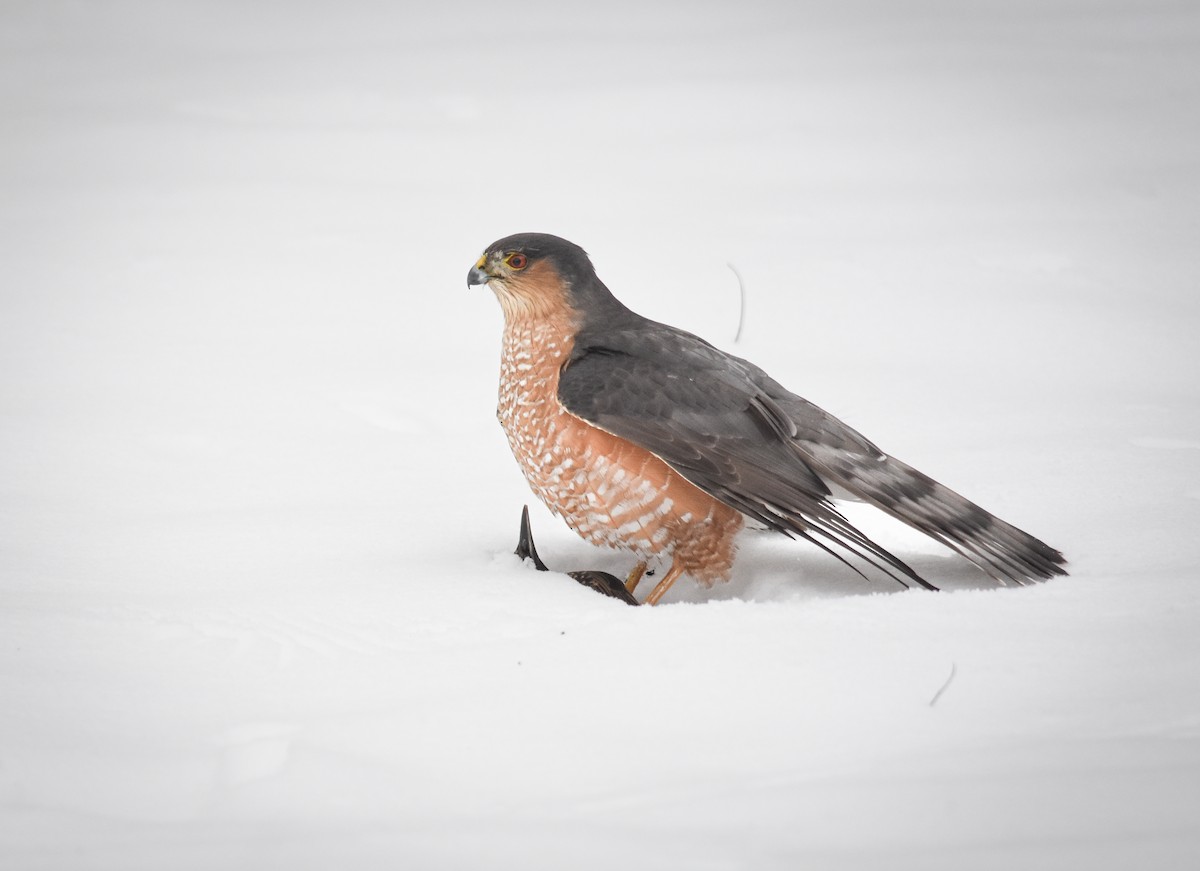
634,368
637,358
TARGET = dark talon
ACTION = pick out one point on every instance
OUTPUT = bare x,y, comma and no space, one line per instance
525,548
601,582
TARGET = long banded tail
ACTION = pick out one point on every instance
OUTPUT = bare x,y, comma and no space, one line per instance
1000,549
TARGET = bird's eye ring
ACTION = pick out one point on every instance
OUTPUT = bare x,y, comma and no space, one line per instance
516,261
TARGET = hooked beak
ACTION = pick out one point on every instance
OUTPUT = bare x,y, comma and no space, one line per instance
477,275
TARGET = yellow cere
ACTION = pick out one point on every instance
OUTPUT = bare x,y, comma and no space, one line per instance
482,260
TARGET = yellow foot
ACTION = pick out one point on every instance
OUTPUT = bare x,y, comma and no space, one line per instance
665,584
635,576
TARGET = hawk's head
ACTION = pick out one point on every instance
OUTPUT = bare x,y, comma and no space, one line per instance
538,274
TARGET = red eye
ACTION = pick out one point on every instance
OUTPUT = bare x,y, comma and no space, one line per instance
517,261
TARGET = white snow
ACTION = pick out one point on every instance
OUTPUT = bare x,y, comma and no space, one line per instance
258,604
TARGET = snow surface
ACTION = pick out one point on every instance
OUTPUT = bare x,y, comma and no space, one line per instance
259,604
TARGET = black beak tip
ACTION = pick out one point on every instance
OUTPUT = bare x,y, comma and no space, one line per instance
477,276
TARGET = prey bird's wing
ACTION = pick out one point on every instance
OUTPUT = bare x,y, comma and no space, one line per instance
718,421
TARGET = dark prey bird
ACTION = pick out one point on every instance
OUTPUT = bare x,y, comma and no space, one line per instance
647,438
602,582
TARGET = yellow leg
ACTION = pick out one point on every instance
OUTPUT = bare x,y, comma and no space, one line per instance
665,584
635,576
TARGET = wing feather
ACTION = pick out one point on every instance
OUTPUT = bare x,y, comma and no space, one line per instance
714,419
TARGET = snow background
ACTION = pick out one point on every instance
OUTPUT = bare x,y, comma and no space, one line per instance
259,606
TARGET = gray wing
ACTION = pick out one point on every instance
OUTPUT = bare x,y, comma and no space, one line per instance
733,431
718,421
